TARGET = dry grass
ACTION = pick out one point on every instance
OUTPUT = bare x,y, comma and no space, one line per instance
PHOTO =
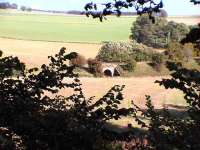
34,53
189,20
136,89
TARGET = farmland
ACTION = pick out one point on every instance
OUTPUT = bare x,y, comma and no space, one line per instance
35,53
67,28
32,37
64,28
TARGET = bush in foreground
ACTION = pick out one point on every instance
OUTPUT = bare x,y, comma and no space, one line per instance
30,118
34,115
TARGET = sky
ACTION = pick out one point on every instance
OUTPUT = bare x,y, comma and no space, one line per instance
173,7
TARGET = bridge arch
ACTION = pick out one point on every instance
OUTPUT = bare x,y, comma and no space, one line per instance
109,71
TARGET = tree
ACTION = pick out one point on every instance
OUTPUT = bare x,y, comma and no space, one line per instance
29,9
178,129
23,8
6,5
148,33
31,118
158,34
14,6
176,31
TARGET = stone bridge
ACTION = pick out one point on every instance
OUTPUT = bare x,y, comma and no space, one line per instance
110,70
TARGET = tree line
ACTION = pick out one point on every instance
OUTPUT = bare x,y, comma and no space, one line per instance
7,5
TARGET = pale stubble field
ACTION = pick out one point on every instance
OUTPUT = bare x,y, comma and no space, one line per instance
34,53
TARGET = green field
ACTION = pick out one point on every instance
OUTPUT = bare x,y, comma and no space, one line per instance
33,26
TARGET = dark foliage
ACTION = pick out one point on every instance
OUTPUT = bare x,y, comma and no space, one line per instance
141,6
165,131
35,116
7,5
193,36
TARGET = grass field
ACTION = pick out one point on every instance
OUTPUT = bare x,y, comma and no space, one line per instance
68,28
64,28
35,53
37,30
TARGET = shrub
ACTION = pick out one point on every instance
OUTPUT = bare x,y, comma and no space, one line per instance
130,66
123,52
23,8
175,51
158,61
114,52
178,52
78,60
95,67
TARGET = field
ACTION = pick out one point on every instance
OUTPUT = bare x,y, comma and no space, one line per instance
64,28
32,37
67,28
189,20
35,53
135,90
